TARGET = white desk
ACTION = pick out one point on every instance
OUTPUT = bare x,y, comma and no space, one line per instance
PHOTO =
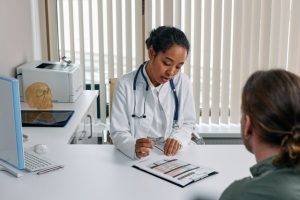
61,135
96,172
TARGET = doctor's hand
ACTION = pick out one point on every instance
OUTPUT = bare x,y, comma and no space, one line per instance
143,146
171,147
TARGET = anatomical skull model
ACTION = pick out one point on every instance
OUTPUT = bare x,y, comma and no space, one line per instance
38,95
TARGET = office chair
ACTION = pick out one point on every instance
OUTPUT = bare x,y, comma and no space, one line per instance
112,85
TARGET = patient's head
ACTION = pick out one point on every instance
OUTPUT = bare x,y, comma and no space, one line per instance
271,99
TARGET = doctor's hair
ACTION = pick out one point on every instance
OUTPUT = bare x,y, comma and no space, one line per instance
272,101
164,37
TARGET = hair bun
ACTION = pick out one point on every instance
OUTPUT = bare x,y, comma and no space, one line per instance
153,36
290,153
295,133
292,136
295,129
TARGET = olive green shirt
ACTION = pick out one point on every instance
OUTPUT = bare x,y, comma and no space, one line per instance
268,183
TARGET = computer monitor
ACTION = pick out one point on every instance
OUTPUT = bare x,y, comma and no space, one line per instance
11,140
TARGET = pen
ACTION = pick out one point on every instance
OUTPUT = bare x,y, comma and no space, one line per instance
159,148
49,169
14,173
157,142
11,171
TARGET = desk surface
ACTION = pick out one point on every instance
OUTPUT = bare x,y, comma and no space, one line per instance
60,135
101,172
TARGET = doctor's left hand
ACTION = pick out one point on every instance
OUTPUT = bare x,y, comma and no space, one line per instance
171,147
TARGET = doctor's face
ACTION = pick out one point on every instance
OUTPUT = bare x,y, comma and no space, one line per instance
165,65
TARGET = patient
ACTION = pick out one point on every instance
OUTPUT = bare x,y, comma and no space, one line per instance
270,127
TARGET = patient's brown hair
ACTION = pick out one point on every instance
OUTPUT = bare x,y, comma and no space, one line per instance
272,101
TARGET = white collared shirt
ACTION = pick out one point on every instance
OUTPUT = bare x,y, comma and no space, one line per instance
158,125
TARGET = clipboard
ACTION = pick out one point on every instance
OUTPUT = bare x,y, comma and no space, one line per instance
45,118
174,170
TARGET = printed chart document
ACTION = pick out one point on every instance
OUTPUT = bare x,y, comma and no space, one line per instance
174,170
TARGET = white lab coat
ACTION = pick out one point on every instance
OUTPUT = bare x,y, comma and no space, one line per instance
125,129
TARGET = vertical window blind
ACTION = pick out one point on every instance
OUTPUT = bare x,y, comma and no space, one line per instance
230,39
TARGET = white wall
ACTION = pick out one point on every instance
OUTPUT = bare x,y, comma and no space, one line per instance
16,42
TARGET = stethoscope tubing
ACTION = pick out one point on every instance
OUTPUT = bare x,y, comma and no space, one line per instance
176,112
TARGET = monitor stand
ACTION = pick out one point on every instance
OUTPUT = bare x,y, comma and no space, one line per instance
5,167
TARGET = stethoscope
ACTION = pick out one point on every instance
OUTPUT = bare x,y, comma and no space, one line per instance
134,115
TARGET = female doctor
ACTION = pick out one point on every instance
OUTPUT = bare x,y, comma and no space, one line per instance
156,100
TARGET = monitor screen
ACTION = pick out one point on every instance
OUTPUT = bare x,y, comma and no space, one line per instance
11,140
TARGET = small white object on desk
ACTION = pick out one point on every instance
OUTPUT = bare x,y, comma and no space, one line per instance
40,148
